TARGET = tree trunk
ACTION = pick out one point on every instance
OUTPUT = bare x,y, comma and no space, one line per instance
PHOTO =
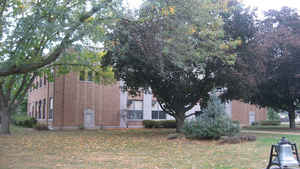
179,122
5,120
292,117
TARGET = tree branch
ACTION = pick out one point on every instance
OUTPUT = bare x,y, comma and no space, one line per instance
23,89
74,64
20,89
165,110
24,68
189,115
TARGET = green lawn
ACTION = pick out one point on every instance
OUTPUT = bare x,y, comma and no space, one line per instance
131,149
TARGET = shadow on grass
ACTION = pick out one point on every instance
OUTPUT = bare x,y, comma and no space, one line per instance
279,128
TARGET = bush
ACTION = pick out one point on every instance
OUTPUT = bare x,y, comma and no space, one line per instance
212,124
24,121
159,124
273,115
41,126
168,123
270,122
149,124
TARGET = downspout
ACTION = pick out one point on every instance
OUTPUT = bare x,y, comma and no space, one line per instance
101,117
47,118
54,93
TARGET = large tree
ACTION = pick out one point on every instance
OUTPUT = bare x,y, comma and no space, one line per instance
35,34
267,69
175,48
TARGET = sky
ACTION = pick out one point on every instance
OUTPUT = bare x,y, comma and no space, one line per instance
262,5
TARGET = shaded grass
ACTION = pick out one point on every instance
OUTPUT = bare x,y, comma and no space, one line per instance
279,128
139,148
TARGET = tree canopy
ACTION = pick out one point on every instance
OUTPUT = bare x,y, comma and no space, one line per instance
175,48
267,70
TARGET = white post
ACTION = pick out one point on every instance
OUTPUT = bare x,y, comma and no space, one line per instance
147,105
228,109
123,106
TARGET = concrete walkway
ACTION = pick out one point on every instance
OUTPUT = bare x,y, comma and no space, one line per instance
271,132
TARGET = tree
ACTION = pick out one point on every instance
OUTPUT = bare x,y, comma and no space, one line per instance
34,36
272,114
268,67
175,48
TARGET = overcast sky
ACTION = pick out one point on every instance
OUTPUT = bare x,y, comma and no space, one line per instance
262,5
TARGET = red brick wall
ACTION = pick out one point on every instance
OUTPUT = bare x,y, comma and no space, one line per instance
39,93
240,111
73,96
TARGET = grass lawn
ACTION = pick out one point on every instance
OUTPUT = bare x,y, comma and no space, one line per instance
131,149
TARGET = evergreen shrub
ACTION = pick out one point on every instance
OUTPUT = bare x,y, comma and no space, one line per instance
212,123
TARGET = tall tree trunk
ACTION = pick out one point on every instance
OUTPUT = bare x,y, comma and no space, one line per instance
5,120
292,117
179,121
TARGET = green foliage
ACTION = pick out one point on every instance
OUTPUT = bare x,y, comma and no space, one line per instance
159,124
81,127
175,48
268,68
41,126
150,124
24,121
255,123
273,115
270,122
212,124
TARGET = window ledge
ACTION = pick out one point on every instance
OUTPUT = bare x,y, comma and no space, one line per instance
135,119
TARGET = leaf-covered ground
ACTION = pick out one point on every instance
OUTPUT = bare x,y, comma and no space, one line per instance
131,149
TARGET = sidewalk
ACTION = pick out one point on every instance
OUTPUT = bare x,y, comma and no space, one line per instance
270,132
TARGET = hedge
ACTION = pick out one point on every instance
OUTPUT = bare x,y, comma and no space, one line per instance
24,121
159,124
270,122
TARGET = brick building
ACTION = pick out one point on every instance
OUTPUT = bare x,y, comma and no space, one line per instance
74,100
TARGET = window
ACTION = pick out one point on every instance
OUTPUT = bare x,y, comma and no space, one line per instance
135,109
50,115
157,112
97,77
44,108
32,111
45,79
41,81
29,109
135,105
135,114
36,110
90,76
82,76
156,115
39,110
